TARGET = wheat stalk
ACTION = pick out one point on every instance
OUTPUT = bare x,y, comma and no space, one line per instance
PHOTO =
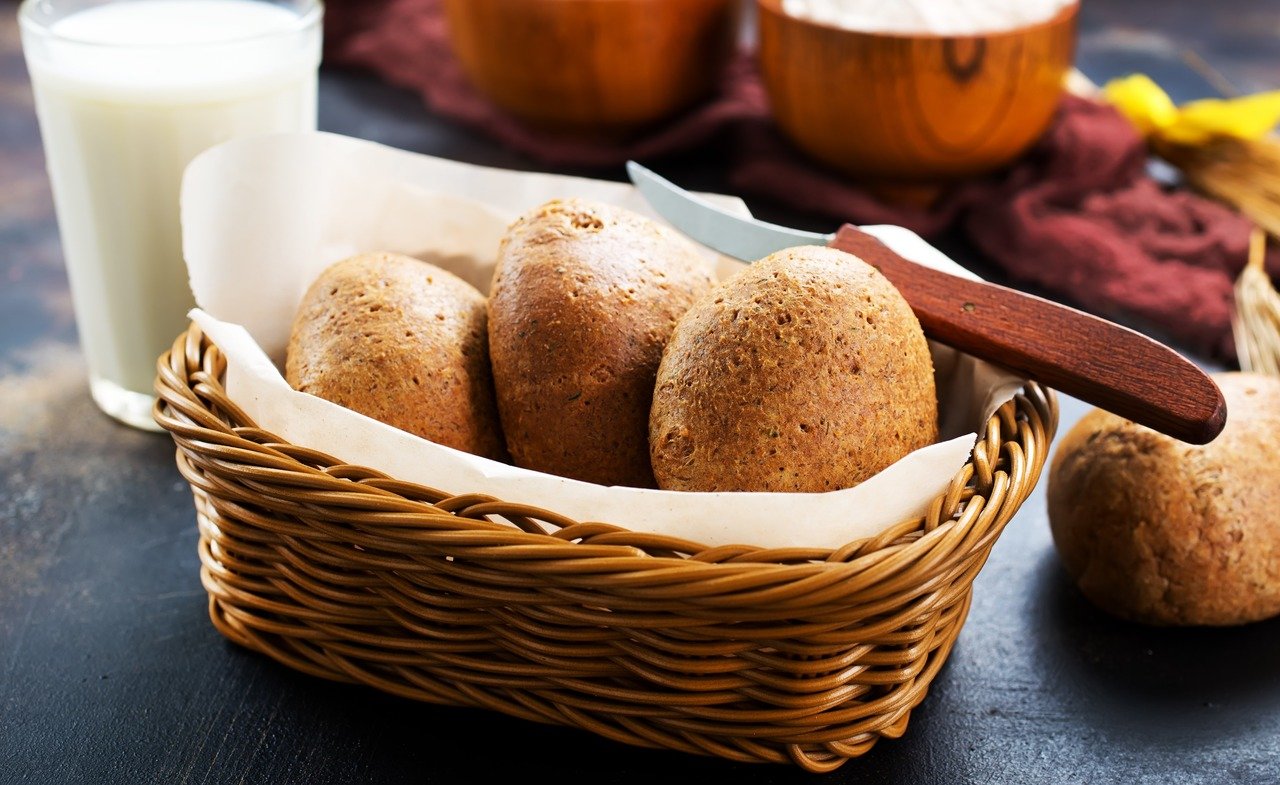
1244,173
1257,321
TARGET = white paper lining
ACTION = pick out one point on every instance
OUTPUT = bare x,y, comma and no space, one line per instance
263,216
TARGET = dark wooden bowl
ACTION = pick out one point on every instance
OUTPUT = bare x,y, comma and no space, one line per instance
593,67
901,109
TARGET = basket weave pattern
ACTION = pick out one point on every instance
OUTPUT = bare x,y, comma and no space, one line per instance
801,655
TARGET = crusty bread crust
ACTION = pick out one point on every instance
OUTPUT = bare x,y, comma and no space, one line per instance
583,300
401,341
1163,532
807,371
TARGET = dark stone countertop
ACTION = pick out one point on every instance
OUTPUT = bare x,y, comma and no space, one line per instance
111,672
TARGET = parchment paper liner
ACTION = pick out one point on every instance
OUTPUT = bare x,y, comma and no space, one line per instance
262,216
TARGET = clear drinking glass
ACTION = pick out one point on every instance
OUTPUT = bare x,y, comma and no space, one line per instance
127,92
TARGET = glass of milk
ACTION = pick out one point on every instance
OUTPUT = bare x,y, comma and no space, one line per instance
127,92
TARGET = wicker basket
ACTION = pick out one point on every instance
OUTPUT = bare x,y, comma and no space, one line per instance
800,655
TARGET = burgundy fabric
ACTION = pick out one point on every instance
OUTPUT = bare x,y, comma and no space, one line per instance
1077,215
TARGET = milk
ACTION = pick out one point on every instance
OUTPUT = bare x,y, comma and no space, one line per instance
931,17
127,93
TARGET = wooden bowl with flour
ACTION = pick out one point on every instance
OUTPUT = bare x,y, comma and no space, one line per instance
896,107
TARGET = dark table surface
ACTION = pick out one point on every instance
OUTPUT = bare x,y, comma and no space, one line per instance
111,672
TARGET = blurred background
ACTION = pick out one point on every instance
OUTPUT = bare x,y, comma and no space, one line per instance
1051,191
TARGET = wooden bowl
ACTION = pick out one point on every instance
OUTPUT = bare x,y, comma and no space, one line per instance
902,109
593,67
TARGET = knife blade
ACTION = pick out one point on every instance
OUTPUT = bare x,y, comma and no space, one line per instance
1099,362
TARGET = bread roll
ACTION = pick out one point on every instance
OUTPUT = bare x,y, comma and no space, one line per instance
807,371
401,341
1167,533
583,299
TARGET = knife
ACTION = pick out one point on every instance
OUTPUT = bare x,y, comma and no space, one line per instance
1101,363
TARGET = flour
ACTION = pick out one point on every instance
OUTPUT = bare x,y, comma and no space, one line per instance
936,17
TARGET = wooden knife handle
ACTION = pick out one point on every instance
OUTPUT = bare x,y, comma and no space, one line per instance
1101,363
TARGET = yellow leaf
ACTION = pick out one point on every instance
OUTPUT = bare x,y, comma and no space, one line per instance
1247,117
1151,110
1142,101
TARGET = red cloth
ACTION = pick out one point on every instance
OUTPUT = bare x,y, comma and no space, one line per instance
1077,215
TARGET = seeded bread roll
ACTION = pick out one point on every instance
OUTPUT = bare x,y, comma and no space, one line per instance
806,371
1162,532
584,298
401,341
